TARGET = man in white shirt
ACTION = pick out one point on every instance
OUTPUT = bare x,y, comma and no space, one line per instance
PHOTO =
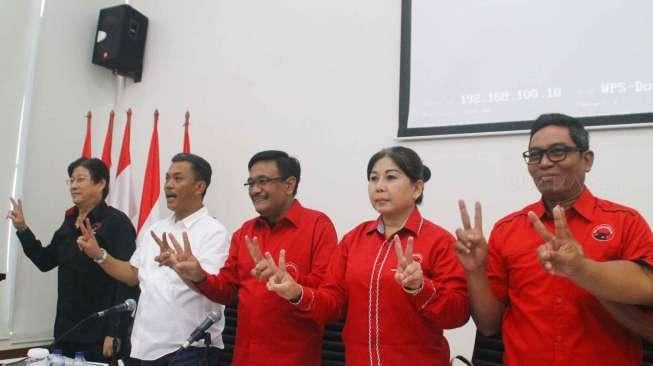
169,310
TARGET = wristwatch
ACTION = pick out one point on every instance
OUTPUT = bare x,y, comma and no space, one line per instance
102,257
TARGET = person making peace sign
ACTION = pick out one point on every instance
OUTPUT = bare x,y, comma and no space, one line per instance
395,279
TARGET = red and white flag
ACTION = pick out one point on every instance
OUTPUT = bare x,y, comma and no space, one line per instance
108,141
186,148
149,211
86,149
122,194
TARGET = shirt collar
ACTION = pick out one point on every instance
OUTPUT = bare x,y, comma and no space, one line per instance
96,213
584,205
292,216
413,224
189,220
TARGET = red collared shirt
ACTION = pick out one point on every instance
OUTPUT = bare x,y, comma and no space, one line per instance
548,319
384,324
269,331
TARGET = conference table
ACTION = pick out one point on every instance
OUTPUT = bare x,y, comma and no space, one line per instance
20,361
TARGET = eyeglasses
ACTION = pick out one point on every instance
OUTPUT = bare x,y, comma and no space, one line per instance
261,182
554,154
81,179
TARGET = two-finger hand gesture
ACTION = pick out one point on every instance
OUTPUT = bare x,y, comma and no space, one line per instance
280,281
560,254
87,242
167,256
183,261
471,246
16,214
263,267
409,273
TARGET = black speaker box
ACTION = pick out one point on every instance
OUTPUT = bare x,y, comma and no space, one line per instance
120,41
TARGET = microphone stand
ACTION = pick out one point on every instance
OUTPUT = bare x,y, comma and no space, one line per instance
206,337
51,347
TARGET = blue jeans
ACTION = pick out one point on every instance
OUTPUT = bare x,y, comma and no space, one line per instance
193,356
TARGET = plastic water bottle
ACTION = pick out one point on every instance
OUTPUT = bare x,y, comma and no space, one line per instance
79,359
56,358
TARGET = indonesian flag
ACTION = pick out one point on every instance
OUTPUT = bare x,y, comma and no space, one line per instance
122,194
149,212
108,141
186,148
86,149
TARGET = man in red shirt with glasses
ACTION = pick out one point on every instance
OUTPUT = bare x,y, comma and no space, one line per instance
559,278
269,330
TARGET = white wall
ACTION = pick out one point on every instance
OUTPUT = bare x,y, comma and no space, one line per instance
319,80
53,50
15,23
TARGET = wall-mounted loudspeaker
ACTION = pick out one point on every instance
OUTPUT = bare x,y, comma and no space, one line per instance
120,41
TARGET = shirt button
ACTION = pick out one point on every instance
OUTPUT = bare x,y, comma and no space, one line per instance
558,300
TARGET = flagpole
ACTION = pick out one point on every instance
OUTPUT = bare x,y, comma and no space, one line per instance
86,149
108,142
186,147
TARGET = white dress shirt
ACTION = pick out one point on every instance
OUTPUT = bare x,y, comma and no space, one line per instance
168,310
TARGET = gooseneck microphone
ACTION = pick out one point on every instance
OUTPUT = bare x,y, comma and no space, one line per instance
198,333
128,305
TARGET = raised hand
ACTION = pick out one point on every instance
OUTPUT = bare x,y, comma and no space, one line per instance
187,266
107,347
560,254
471,246
280,281
263,268
87,242
16,214
166,257
409,273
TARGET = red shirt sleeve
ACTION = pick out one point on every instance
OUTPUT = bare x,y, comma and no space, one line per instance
443,299
329,302
323,246
223,287
497,272
638,241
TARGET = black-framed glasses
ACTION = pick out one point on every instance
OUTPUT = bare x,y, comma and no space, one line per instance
555,154
261,182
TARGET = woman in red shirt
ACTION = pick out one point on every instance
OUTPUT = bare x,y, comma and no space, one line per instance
395,279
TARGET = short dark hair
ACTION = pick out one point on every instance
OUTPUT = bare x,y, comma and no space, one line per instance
96,168
407,160
288,166
577,131
200,167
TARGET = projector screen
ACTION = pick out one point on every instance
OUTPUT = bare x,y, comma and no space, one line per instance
493,66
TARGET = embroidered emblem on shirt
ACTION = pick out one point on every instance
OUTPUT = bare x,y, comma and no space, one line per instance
96,226
292,269
418,258
603,232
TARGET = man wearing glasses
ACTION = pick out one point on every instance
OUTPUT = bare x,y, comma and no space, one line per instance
269,331
556,277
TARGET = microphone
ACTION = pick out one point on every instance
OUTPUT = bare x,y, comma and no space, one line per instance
213,317
128,305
